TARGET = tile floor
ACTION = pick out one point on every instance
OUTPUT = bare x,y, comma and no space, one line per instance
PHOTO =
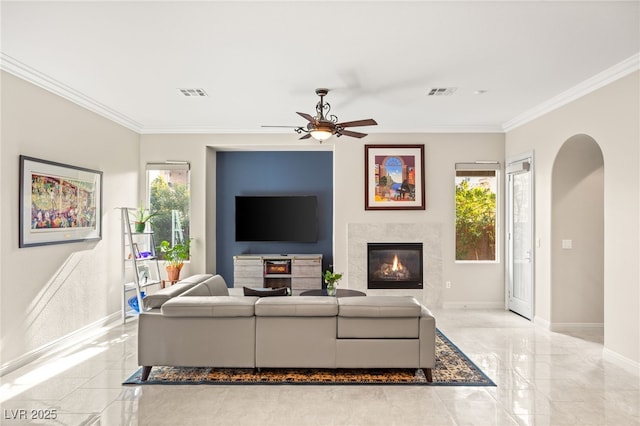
543,378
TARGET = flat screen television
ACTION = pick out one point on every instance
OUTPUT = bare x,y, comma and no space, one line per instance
277,218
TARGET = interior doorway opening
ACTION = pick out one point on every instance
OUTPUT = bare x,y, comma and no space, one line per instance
577,236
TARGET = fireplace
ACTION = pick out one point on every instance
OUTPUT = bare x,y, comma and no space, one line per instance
394,265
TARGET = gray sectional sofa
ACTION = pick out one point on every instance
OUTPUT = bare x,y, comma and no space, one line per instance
196,323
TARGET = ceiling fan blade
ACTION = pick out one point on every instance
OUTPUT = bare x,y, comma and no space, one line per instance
307,117
307,136
357,123
353,134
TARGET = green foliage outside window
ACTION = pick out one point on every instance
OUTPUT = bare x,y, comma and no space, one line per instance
475,222
171,203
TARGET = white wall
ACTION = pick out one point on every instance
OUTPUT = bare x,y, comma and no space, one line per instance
473,285
611,116
48,292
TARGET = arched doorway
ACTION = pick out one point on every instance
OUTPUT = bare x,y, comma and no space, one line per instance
577,235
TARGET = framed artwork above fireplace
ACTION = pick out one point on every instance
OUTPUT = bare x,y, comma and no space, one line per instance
394,177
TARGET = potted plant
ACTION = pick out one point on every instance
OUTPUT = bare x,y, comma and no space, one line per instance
332,280
141,217
175,256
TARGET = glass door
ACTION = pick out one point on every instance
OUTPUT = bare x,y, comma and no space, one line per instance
520,237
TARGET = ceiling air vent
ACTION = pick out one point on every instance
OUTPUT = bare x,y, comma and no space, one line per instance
193,92
442,91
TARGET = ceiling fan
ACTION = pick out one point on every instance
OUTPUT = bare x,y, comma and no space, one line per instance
322,126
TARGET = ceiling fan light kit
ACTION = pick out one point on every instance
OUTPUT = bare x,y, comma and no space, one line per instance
323,126
321,134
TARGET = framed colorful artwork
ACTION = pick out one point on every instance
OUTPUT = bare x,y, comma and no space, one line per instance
58,203
394,177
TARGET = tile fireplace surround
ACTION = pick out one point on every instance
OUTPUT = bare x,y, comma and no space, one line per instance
430,234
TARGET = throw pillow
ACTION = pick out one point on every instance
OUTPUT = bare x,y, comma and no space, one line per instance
266,292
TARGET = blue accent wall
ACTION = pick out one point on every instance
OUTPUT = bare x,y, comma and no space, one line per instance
271,173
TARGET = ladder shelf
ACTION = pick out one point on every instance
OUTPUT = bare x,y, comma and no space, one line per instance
139,264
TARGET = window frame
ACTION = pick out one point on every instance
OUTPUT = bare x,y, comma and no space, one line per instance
475,167
168,166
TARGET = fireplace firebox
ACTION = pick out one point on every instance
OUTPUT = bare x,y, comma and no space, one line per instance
394,265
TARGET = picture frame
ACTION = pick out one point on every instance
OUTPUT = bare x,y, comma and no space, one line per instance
144,274
58,203
394,177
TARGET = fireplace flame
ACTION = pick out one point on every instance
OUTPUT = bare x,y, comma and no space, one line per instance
394,270
396,265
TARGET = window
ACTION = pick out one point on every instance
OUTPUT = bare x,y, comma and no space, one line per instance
169,197
476,211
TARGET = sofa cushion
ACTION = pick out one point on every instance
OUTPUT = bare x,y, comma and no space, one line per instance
297,306
265,292
209,306
214,286
379,306
378,317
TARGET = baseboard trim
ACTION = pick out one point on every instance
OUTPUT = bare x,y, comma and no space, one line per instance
473,305
565,326
542,323
571,326
90,331
621,361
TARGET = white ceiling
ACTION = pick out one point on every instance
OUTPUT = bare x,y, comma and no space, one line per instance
260,62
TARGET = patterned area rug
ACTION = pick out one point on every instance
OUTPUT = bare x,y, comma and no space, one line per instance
453,368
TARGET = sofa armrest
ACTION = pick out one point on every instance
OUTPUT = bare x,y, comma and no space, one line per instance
213,286
195,279
427,339
158,298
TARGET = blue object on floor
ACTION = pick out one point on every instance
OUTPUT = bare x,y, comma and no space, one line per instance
133,302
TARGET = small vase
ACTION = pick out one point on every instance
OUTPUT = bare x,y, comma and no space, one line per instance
331,290
140,226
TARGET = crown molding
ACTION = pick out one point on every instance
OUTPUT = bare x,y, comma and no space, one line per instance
455,129
27,73
197,130
602,79
209,130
